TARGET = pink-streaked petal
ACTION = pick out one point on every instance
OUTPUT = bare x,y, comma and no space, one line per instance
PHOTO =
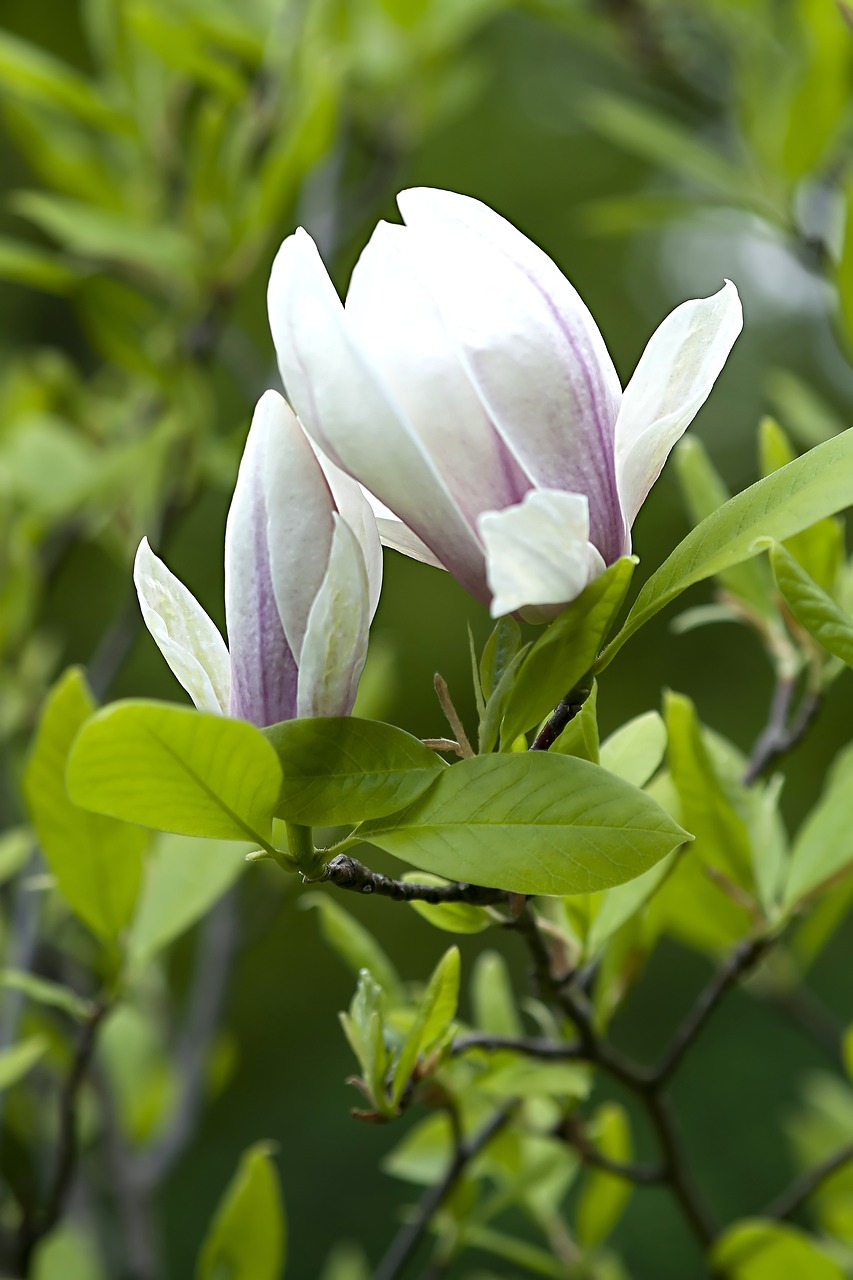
335,645
672,381
353,417
397,323
538,554
263,667
184,634
531,347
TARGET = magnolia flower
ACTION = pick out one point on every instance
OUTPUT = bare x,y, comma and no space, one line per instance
466,386
303,567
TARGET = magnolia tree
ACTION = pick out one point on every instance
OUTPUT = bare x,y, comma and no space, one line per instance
461,408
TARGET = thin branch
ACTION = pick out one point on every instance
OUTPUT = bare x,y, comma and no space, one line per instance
405,1245
349,873
562,715
531,1047
67,1144
572,1131
787,1204
781,733
744,958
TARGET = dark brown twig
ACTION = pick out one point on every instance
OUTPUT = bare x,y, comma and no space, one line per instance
34,1229
572,1131
349,873
560,717
406,1243
787,1204
780,734
744,958
531,1047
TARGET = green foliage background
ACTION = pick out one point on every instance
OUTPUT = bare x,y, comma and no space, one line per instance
652,148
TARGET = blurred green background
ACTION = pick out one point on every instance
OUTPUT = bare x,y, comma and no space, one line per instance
652,147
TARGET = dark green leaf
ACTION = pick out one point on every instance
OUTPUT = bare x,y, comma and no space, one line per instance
603,1198
811,606
354,944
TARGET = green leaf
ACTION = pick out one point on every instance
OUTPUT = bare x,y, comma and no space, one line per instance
16,847
364,1030
97,862
17,1061
757,1250
42,991
531,823
621,904
184,877
340,769
177,770
493,1005
566,650
635,751
490,721
160,250
36,76
347,1261
820,547
499,652
452,917
67,1253
818,484
604,1196
811,606
247,1238
823,848
358,948
704,493
25,264
433,1020
580,737
721,834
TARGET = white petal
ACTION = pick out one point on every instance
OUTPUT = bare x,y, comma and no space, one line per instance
397,536
185,635
356,508
336,638
539,553
672,381
263,665
398,324
352,416
531,346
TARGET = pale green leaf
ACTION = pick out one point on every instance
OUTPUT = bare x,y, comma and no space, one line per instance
247,1237
34,75
177,770
566,650
823,848
722,838
355,945
341,769
604,1196
433,1018
97,861
753,1249
67,1253
43,991
25,264
184,877
18,1060
811,606
818,484
493,1003
499,651
531,823
635,751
